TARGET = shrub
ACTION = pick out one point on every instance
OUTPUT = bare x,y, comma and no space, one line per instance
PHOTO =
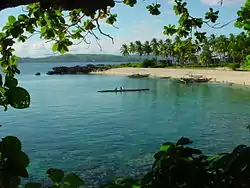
146,63
233,66
179,166
247,62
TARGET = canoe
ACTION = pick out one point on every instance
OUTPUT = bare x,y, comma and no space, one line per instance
124,90
139,75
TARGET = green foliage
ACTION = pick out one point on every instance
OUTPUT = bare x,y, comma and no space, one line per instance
130,2
179,165
234,66
243,20
18,97
132,64
247,62
189,24
147,63
154,9
188,52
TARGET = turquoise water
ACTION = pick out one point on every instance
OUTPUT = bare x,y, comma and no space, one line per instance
71,126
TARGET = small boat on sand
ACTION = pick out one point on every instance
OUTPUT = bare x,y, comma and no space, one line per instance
195,79
138,75
123,90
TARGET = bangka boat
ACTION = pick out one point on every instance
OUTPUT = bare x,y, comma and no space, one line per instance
195,79
139,75
123,90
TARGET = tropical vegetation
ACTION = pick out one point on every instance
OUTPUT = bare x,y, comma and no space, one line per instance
176,165
211,52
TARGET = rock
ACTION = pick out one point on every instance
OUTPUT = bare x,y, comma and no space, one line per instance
38,74
78,69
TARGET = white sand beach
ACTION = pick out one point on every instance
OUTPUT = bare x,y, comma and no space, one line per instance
220,74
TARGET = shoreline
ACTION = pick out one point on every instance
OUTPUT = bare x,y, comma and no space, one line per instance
218,74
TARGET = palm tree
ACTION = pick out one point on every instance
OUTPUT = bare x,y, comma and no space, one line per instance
147,48
165,48
139,48
124,50
131,48
161,47
155,47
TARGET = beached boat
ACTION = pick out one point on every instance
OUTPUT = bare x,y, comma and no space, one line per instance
123,90
138,75
195,79
165,77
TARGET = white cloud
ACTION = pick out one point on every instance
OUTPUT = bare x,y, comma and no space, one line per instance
142,31
171,2
32,49
225,2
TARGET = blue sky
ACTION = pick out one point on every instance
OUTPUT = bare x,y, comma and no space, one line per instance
134,24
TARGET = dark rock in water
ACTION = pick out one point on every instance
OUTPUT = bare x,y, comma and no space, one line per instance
78,69
38,74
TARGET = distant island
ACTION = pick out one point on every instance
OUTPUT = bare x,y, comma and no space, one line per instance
80,58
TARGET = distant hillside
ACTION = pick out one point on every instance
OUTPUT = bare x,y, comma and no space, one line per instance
81,58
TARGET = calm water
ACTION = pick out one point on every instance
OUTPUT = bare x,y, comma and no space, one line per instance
99,135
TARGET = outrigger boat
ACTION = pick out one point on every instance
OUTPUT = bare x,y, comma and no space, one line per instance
138,75
123,90
195,79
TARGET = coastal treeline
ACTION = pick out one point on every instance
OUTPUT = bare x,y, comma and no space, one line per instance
213,51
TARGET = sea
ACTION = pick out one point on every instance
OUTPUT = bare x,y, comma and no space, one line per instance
101,136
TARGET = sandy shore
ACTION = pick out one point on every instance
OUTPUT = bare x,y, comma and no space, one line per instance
220,74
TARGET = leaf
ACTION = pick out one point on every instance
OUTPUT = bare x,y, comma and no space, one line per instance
166,146
55,175
62,20
191,151
183,141
214,157
10,83
21,171
130,2
73,181
12,19
55,47
22,17
11,144
33,185
22,159
18,98
14,169
15,31
43,30
159,155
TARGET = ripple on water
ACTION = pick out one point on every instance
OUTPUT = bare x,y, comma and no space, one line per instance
101,136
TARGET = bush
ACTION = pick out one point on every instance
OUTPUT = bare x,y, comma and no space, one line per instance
234,66
176,166
134,64
247,62
179,166
149,63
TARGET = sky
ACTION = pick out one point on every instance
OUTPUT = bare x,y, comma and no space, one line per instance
133,24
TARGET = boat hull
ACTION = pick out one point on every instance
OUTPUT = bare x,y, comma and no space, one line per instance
124,90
